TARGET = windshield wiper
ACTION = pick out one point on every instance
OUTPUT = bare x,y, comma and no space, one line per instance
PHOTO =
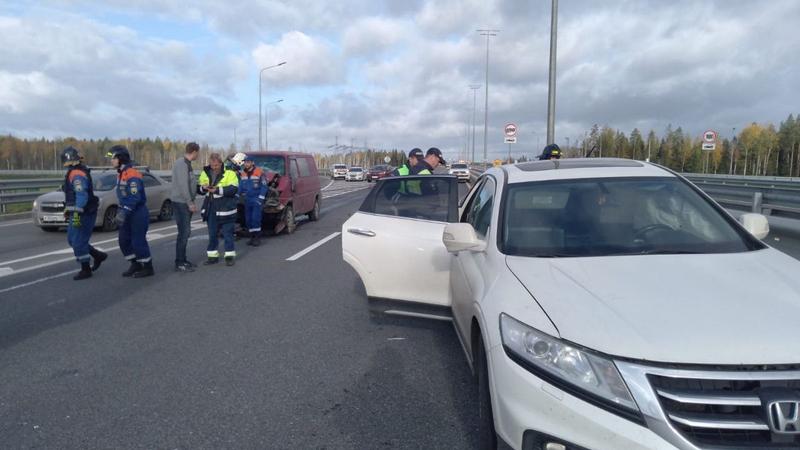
667,252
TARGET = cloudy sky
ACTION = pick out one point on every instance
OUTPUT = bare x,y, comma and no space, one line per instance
391,74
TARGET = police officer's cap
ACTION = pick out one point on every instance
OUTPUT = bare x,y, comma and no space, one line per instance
416,153
70,156
551,151
120,152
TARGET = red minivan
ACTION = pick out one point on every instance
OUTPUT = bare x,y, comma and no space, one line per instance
295,188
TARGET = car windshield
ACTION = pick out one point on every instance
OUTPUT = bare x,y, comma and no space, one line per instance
272,163
458,166
104,181
339,166
378,168
356,169
623,216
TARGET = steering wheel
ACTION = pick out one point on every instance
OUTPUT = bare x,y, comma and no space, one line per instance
652,227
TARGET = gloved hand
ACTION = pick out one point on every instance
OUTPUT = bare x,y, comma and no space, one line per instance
67,216
121,217
75,220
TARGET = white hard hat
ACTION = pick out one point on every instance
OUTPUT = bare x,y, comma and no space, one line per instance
238,158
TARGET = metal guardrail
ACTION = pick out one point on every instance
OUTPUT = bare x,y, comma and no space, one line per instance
776,196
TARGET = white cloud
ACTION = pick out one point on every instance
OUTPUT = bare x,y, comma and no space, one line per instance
309,61
370,36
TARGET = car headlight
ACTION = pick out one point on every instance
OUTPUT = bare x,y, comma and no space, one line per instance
35,204
583,373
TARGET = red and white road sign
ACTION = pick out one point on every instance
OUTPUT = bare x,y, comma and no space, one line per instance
710,136
510,130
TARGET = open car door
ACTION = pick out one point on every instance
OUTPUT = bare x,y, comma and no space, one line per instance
394,241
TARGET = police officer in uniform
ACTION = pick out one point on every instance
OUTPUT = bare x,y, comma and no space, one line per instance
80,212
551,151
426,166
414,157
132,218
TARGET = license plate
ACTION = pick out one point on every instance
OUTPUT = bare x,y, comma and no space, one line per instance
52,218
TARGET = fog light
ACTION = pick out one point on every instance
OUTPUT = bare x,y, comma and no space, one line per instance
554,446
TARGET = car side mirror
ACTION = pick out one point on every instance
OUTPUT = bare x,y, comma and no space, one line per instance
461,236
755,224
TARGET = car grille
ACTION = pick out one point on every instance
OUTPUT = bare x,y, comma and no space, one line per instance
723,412
52,207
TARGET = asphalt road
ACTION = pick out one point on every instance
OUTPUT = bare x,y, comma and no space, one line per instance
268,354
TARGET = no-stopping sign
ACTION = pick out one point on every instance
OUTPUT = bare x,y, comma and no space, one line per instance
710,136
510,130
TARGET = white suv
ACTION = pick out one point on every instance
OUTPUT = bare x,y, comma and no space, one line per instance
355,173
601,303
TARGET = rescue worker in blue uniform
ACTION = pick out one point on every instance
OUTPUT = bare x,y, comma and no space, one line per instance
221,189
80,211
253,187
132,218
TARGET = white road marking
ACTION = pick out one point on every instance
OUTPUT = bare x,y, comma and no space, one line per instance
96,243
40,280
6,271
311,248
16,222
329,185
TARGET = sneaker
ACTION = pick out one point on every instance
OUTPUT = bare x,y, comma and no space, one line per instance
184,267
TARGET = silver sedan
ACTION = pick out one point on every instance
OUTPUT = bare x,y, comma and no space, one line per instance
48,209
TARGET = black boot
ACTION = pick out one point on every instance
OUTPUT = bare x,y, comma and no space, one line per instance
98,258
256,241
210,261
86,272
145,271
230,260
135,267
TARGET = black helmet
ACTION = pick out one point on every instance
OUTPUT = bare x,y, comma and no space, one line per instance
119,152
552,151
70,156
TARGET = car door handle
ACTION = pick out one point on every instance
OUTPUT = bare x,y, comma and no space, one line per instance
361,232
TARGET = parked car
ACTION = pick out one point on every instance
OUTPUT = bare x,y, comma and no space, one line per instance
338,171
460,170
378,172
602,304
355,173
48,209
295,189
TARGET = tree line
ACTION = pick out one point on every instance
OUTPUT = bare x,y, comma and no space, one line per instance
757,149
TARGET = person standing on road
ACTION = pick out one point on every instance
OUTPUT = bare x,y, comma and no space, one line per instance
184,191
132,217
253,186
220,187
80,211
414,157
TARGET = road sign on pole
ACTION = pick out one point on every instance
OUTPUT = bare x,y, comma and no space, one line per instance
387,160
510,130
710,136
709,146
510,140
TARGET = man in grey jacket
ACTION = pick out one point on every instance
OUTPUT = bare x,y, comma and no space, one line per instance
184,190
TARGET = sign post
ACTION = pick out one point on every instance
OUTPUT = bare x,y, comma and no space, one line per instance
709,144
510,132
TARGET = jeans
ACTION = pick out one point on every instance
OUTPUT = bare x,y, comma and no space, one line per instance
183,218
213,236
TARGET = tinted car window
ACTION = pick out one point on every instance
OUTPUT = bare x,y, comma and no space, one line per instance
272,163
615,217
150,180
427,198
302,164
479,212
104,182
356,169
458,166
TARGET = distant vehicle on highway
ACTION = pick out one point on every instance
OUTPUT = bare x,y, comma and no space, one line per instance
460,170
294,179
378,172
601,303
355,173
339,171
48,209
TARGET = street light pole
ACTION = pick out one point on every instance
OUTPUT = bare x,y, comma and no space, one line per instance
474,88
259,100
551,85
488,34
733,141
266,128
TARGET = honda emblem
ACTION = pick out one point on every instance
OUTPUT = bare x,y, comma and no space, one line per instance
784,417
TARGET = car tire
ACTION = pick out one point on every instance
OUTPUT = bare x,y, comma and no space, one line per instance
49,229
288,217
487,436
165,213
314,214
108,219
